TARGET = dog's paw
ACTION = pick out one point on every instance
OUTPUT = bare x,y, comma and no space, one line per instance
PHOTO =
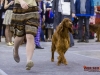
52,60
58,64
65,63
97,41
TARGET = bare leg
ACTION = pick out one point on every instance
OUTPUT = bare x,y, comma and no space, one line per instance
7,33
11,35
49,34
17,42
30,46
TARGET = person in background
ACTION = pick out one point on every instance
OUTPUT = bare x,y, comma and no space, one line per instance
2,11
97,17
97,11
49,19
42,36
84,10
59,16
41,11
7,21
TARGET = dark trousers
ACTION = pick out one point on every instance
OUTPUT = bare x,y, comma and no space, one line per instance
46,33
71,40
83,21
42,35
2,28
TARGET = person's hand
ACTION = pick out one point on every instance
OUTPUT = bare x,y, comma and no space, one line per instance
23,4
48,9
43,19
99,12
73,15
12,2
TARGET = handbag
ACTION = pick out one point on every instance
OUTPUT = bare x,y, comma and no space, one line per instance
65,6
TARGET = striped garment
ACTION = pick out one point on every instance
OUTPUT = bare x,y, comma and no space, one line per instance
25,21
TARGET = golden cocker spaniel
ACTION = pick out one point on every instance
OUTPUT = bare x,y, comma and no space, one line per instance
61,40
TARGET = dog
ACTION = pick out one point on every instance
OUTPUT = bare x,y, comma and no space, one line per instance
61,40
96,29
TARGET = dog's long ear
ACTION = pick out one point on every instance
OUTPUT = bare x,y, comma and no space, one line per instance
60,28
62,25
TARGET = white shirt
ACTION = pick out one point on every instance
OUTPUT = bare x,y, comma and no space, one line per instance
59,6
64,7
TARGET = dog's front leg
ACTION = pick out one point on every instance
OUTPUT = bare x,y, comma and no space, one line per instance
59,57
64,60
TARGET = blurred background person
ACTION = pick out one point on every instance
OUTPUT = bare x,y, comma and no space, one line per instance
41,12
84,10
97,11
2,11
97,17
49,20
7,21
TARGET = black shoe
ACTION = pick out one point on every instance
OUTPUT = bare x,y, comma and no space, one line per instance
80,41
87,41
71,45
39,47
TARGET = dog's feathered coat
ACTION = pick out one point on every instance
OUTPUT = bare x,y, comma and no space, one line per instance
61,40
